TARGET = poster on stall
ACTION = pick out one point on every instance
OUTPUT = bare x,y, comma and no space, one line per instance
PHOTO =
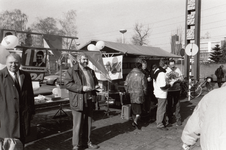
34,62
114,67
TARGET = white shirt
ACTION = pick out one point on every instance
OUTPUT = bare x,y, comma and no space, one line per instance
160,82
168,70
13,76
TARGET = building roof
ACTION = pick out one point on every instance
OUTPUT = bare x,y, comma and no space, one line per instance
113,47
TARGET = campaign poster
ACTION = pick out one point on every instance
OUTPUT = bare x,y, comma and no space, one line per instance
114,67
34,62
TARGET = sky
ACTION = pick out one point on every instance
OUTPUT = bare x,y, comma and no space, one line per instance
102,19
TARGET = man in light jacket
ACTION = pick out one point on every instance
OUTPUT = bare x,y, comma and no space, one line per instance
207,122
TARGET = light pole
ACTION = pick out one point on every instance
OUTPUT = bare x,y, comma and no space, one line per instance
123,31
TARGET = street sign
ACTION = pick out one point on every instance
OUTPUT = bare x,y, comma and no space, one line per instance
191,49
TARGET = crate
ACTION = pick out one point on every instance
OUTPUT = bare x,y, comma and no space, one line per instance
126,112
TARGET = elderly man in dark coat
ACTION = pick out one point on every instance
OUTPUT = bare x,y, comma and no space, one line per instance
16,100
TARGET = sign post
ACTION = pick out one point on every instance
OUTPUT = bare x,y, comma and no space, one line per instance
192,33
191,50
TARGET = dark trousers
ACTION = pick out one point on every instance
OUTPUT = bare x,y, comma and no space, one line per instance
219,81
173,105
82,123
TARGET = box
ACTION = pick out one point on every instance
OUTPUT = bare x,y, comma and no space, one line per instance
60,92
126,112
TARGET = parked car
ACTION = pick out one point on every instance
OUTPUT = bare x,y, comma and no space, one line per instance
55,78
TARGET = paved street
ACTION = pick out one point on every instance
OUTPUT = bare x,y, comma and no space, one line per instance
114,133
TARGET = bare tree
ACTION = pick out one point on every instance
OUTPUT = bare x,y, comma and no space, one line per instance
14,20
46,26
68,24
141,35
206,36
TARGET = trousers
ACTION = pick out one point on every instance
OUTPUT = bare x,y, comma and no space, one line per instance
173,105
82,123
161,112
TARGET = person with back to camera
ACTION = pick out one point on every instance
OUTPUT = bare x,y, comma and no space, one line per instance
207,122
81,82
16,100
147,102
220,74
160,91
136,86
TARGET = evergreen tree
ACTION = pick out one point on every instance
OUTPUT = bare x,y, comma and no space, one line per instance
216,54
223,48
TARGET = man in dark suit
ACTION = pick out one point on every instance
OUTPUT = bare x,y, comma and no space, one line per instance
16,100
39,60
81,82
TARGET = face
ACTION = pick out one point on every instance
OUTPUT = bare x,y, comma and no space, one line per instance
12,64
144,66
171,64
39,58
84,61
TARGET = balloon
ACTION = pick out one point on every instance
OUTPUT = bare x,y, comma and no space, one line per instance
100,45
10,41
3,54
3,66
92,47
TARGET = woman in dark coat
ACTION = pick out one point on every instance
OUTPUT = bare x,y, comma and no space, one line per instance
136,86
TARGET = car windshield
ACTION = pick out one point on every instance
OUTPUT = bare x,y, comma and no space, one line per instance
63,72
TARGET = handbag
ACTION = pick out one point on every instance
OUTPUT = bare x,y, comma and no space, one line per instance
10,144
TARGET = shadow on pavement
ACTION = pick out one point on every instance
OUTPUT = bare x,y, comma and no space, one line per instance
108,132
43,124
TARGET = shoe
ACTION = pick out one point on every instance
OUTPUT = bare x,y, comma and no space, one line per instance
135,125
76,148
151,120
92,146
163,128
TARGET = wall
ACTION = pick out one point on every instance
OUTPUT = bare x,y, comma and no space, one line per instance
207,70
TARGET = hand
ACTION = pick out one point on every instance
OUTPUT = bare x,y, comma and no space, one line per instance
86,88
97,87
185,146
149,79
172,82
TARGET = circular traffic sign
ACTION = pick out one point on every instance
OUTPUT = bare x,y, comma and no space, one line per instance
191,49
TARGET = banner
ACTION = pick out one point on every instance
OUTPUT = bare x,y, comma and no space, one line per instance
34,62
52,41
113,66
95,63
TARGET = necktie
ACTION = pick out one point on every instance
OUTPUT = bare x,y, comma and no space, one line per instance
17,82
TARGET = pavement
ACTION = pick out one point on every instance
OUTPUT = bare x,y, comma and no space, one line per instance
110,132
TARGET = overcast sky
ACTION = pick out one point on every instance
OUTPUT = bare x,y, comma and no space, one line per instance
102,19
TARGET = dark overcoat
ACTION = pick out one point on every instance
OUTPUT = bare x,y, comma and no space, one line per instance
16,107
136,86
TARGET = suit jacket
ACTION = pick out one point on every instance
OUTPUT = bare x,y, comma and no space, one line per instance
16,107
74,81
42,64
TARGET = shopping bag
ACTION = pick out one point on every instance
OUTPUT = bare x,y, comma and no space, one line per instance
10,144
